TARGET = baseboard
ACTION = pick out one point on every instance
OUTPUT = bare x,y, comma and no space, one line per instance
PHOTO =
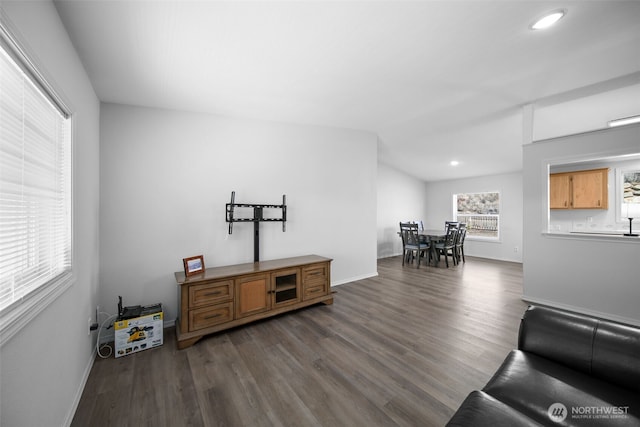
353,279
390,256
515,261
83,384
581,310
496,259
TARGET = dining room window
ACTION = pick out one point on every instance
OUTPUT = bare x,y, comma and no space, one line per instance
480,212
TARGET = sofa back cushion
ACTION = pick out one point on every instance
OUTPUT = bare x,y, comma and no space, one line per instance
604,349
616,354
563,337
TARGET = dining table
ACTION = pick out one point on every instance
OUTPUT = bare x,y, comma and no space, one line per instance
433,236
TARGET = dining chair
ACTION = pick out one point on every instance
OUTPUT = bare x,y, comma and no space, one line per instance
411,242
448,245
449,224
462,233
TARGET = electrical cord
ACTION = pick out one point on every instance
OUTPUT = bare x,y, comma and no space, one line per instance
99,346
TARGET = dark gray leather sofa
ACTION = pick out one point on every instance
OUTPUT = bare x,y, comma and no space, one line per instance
569,370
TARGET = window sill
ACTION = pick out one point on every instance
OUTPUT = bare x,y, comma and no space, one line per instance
597,236
20,313
484,239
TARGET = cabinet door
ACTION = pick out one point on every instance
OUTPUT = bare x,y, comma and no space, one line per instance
590,189
559,194
252,295
286,287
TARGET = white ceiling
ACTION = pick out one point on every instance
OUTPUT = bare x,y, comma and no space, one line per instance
435,80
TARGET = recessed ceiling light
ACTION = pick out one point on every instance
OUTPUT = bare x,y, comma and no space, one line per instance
548,20
454,163
625,121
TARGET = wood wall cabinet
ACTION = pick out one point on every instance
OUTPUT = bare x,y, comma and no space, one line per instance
586,189
225,297
559,193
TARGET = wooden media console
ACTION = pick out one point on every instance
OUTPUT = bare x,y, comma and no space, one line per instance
229,296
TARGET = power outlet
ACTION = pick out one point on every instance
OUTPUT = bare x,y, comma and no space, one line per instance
515,249
89,326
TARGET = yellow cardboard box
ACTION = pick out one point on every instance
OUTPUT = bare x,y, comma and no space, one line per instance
139,333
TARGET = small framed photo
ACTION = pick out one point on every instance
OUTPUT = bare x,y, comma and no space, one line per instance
193,265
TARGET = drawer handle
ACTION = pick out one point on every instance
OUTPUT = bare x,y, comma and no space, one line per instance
313,291
315,273
209,294
213,316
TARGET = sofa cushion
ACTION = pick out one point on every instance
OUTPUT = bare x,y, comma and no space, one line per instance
531,384
480,410
616,354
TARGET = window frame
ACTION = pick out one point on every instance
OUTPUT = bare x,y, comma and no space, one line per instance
470,235
21,312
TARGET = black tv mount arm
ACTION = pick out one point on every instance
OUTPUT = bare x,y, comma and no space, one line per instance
257,219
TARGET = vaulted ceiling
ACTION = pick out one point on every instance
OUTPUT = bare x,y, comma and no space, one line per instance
435,80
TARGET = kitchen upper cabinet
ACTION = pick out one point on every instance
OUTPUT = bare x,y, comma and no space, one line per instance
586,189
559,194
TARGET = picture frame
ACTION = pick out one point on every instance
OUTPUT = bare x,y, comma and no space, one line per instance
193,265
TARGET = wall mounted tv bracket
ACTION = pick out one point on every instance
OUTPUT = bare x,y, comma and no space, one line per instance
258,217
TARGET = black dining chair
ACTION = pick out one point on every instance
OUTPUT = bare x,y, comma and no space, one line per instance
411,242
462,233
448,245
450,224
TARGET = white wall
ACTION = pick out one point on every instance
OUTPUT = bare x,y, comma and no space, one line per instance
440,206
401,197
597,276
166,177
44,366
586,113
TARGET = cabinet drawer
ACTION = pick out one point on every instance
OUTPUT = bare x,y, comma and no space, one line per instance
314,291
210,293
314,275
209,316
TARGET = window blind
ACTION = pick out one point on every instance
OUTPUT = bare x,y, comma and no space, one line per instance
35,184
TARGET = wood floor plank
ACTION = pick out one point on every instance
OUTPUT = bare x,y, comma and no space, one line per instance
400,349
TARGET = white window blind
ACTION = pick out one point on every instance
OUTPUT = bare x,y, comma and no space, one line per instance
35,183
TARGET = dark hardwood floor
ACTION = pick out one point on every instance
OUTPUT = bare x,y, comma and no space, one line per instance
400,349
